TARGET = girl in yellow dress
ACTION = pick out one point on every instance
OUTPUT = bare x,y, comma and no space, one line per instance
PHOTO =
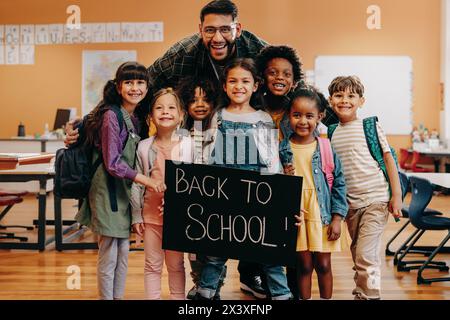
323,203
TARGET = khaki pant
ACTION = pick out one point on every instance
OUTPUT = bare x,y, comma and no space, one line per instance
366,226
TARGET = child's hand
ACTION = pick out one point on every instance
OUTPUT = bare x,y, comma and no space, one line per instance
334,229
289,169
161,207
395,206
155,185
71,134
300,217
138,228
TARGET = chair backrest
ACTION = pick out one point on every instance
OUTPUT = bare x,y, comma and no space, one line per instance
422,192
404,180
404,155
415,160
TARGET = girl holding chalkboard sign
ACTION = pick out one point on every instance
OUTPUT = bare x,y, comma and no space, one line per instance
199,97
167,114
323,193
240,121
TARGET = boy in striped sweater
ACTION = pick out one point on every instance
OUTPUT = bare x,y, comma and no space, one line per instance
370,195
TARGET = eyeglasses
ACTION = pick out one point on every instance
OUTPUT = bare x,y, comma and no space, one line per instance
224,30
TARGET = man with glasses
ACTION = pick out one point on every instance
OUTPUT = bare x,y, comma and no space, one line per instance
220,40
206,53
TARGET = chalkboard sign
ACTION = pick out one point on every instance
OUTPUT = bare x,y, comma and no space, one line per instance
231,213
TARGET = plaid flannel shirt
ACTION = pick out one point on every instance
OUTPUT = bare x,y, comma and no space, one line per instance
189,57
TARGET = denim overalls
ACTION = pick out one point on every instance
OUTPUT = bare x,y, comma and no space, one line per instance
235,147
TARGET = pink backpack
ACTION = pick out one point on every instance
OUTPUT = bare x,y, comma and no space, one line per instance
326,155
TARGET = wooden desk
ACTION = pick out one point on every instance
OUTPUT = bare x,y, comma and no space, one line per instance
439,156
34,172
10,161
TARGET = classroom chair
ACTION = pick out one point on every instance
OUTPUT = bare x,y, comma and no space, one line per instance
9,199
415,167
404,155
405,215
422,192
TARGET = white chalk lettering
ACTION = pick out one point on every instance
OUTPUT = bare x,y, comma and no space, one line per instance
196,186
257,192
219,189
245,228
206,187
264,236
258,220
258,197
208,228
190,208
249,188
222,227
179,180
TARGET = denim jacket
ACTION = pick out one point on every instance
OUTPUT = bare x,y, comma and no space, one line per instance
336,200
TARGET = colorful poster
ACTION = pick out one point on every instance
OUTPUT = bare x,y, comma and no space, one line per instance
98,68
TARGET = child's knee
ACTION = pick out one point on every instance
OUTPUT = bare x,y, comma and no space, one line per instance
305,268
322,267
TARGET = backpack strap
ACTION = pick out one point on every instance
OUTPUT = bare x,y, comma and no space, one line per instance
373,142
326,155
122,116
331,129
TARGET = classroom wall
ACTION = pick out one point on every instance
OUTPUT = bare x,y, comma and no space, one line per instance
31,94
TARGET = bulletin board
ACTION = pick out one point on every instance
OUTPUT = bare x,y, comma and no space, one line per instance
388,86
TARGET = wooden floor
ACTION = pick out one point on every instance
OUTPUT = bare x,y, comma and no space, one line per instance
28,274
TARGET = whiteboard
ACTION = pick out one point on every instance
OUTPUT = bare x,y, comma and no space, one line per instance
387,82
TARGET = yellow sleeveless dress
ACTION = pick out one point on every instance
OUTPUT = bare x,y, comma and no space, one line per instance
312,234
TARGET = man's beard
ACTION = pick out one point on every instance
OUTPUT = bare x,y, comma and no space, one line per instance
230,45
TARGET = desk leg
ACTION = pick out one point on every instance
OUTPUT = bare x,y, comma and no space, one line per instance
442,164
41,214
58,223
437,165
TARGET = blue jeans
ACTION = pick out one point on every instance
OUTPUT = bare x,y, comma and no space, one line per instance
275,276
197,269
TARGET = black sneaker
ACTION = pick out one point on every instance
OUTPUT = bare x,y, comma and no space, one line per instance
191,293
216,296
198,296
252,285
